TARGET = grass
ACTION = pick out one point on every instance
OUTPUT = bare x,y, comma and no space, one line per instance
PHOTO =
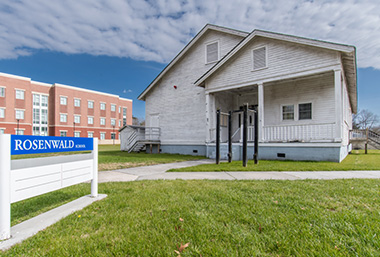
111,158
217,218
357,160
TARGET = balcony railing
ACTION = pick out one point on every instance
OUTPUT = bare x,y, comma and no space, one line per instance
152,133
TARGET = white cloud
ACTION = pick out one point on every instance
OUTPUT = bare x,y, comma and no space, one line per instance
126,91
158,30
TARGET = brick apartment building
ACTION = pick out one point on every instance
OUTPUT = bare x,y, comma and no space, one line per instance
34,108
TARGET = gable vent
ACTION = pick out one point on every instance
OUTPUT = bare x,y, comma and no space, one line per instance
212,52
259,58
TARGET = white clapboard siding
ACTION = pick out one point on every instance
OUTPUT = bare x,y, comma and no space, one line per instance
182,111
283,58
29,182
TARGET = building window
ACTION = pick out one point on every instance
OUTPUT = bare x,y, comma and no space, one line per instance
90,120
63,133
44,100
2,91
90,134
124,116
102,136
113,135
44,131
304,111
119,109
119,123
2,112
36,116
20,94
102,106
36,100
77,102
102,121
2,131
63,100
19,114
113,108
44,116
36,131
288,112
90,104
259,58
113,122
212,52
63,118
20,132
76,134
76,119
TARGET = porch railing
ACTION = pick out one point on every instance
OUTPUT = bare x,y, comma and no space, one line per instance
302,133
152,133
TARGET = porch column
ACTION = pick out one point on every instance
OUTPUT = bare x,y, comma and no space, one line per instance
338,104
207,117
261,111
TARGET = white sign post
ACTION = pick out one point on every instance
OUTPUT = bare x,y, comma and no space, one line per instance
22,179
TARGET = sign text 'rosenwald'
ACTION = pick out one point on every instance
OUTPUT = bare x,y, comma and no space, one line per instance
44,144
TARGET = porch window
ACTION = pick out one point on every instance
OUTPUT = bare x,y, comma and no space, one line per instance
304,111
259,58
212,52
288,112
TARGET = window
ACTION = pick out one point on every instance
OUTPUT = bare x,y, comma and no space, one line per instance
36,100
288,112
2,131
304,111
2,91
77,119
36,131
124,116
113,135
63,118
2,112
102,136
259,57
90,120
76,134
212,52
44,100
102,106
63,133
119,109
119,123
19,114
90,104
113,108
44,131
77,102
113,122
63,100
36,116
90,134
20,132
44,116
102,121
20,94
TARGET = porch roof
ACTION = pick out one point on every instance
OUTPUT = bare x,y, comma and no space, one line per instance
348,58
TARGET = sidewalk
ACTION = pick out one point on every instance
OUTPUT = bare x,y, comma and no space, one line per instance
155,172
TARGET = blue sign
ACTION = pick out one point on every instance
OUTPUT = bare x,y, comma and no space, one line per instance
43,144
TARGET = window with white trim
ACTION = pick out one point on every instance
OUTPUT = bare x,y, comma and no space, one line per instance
2,131
113,108
77,102
90,134
63,117
113,135
288,112
20,94
90,104
212,52
102,121
63,100
102,136
259,58
2,91
36,100
44,100
119,123
113,122
77,134
20,132
63,133
304,111
90,120
102,106
77,119
20,114
2,112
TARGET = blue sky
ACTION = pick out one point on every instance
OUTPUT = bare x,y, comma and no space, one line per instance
119,46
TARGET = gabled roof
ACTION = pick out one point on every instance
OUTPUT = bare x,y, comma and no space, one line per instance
186,48
348,58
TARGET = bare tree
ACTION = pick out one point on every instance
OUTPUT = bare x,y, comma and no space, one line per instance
365,119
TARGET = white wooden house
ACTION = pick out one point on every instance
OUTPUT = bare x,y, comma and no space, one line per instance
304,89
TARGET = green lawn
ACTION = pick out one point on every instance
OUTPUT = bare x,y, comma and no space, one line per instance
357,160
217,218
111,158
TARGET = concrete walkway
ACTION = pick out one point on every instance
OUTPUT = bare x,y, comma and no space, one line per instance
155,172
